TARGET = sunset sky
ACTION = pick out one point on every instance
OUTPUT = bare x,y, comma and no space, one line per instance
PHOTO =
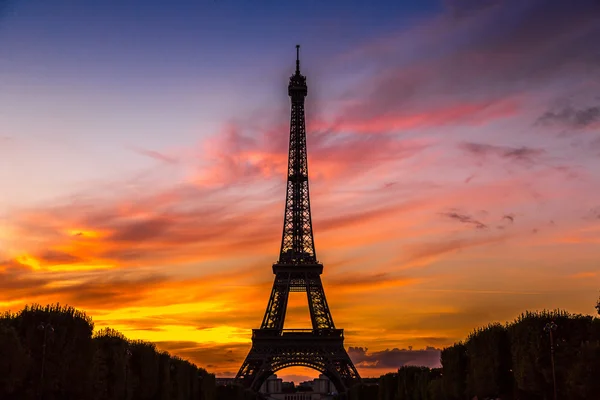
454,158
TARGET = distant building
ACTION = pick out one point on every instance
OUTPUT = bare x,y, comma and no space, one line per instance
296,396
224,381
323,385
273,384
320,388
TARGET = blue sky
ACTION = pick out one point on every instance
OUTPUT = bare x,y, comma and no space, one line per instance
104,76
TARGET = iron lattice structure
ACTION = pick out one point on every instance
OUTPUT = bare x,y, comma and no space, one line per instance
297,270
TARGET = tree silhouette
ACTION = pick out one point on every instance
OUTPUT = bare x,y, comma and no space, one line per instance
69,362
512,360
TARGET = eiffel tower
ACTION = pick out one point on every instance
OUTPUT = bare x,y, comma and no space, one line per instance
297,270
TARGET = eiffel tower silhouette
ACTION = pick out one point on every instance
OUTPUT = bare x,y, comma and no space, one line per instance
297,270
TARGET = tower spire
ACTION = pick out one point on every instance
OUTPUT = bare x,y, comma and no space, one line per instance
297,59
297,244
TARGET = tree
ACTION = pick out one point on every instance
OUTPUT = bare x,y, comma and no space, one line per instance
109,365
59,341
583,382
14,361
388,386
143,369
207,385
489,371
363,392
530,348
454,369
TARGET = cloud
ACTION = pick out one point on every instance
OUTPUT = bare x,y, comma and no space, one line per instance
236,156
154,228
394,358
86,290
593,213
365,119
584,275
54,257
509,217
335,222
427,253
155,155
477,63
140,231
525,155
225,358
570,117
365,282
465,219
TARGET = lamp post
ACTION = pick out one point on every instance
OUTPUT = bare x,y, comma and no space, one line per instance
550,327
173,382
46,327
127,357
200,377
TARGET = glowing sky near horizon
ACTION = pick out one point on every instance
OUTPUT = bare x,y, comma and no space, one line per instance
454,158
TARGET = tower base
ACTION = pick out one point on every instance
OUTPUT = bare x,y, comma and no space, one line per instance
322,350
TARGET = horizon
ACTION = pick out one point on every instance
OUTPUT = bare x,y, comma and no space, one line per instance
453,151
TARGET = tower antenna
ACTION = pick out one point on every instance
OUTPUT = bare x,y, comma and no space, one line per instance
297,59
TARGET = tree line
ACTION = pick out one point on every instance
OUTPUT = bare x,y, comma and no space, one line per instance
51,352
510,362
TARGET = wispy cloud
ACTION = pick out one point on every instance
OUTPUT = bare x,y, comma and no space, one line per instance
363,282
155,155
524,155
429,252
570,117
465,219
392,359
492,55
509,217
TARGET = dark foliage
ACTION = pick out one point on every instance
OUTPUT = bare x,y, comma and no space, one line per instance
582,379
50,352
454,369
508,362
388,387
489,372
230,392
409,383
531,351
14,361
363,391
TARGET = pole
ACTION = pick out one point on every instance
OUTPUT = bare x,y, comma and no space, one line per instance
43,364
127,356
552,360
550,327
126,368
